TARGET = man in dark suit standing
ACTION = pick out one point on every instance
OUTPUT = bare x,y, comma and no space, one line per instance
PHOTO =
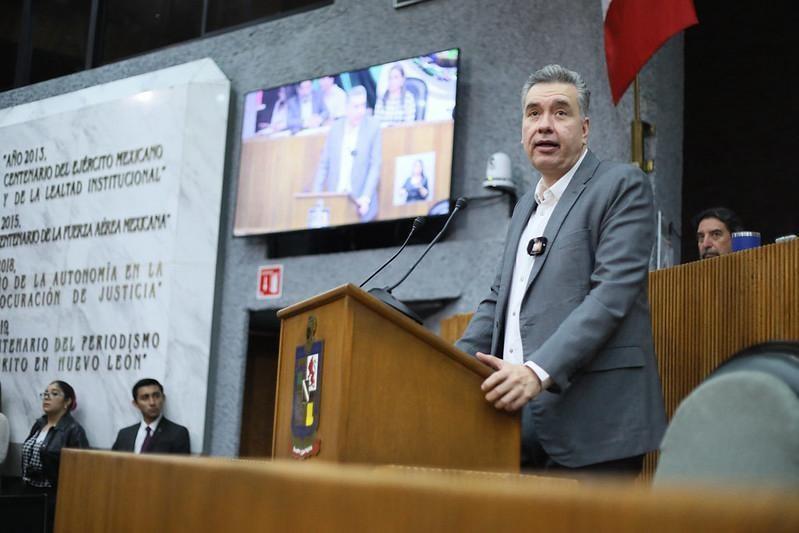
155,433
566,325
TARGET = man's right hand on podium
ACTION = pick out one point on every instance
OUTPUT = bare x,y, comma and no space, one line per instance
511,386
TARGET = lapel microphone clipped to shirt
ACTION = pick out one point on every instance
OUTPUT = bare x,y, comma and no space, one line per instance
537,246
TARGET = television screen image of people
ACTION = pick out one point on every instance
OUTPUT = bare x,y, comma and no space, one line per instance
334,98
376,145
272,118
290,108
414,178
352,156
396,103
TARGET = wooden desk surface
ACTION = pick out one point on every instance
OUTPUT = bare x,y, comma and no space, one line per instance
121,492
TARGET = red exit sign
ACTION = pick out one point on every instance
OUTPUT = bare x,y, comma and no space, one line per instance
270,282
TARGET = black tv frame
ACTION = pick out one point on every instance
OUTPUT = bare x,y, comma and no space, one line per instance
361,235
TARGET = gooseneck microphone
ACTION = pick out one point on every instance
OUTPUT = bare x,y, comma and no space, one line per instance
460,203
418,222
385,295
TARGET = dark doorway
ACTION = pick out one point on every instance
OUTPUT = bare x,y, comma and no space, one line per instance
739,116
260,381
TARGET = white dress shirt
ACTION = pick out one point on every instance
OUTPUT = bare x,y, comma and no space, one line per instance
546,199
143,433
348,146
306,110
336,102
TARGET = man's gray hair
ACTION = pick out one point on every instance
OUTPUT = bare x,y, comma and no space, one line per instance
558,74
358,90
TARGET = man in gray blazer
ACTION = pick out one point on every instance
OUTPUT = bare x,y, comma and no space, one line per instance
352,156
566,323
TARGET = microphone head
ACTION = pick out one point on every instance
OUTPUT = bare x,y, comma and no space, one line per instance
461,203
418,222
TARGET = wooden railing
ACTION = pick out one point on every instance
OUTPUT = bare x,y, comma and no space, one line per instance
122,492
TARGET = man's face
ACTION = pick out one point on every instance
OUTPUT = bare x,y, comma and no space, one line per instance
356,109
553,132
326,83
150,401
304,89
713,238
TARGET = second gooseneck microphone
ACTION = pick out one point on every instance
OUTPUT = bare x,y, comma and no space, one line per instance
384,295
460,203
418,222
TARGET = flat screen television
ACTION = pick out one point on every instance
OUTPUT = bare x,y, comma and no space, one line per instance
350,148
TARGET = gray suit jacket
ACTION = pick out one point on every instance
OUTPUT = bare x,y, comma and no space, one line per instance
294,110
365,165
585,319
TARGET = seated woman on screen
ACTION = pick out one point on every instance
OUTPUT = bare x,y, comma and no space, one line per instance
415,187
279,119
396,104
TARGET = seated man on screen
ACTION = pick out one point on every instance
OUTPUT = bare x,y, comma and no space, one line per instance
307,108
335,98
352,155
155,433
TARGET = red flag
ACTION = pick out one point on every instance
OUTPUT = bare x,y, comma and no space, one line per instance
634,30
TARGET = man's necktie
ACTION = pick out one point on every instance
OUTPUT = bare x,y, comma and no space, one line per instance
145,446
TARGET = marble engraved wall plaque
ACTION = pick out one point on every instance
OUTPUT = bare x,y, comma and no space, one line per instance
109,220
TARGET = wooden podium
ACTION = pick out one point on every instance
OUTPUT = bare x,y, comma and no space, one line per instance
388,391
339,209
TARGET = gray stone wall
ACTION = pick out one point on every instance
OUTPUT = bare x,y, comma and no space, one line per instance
501,43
